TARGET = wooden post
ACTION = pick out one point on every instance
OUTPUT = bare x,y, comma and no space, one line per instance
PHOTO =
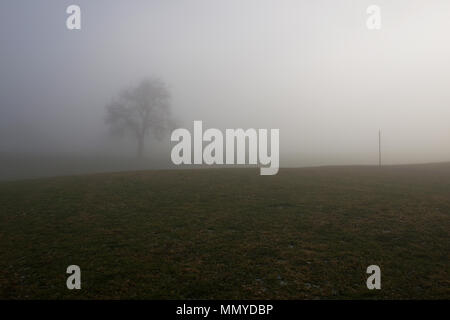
379,148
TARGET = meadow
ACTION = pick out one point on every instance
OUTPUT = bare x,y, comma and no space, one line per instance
306,233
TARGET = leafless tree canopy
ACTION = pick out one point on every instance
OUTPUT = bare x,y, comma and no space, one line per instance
141,111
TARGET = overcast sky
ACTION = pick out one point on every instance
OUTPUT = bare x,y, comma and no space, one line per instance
310,68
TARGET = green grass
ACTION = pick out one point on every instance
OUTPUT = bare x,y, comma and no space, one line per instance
229,234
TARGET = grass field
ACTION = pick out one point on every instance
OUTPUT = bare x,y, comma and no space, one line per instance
229,234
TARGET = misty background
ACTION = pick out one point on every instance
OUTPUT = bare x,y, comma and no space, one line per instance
310,68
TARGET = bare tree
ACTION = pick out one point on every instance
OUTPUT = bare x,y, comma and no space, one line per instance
141,111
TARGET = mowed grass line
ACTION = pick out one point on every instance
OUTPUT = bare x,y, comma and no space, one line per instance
229,234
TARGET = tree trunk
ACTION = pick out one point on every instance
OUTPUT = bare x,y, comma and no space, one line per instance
140,147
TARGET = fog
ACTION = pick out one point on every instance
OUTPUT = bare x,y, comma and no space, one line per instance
309,68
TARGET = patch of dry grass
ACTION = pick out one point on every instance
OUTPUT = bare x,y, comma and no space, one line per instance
229,234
